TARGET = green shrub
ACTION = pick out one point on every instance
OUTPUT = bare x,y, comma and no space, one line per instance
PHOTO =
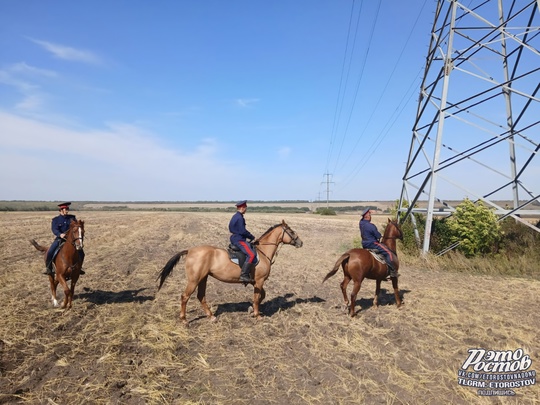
475,227
441,235
325,211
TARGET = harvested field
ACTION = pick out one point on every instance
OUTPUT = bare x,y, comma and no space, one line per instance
123,343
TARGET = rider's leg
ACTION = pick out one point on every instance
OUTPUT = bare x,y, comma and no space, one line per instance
245,274
392,272
50,253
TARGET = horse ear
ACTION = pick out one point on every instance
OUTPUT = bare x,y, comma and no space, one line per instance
389,220
283,222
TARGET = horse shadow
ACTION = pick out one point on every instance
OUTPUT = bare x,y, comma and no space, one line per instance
100,297
385,298
268,308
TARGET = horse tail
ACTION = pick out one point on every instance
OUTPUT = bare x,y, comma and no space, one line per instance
42,249
344,258
167,270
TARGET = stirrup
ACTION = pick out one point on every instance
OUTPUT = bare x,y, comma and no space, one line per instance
246,280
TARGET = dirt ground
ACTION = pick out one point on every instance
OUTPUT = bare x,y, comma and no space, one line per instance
122,342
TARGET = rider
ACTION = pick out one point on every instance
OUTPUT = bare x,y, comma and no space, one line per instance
370,240
59,227
240,237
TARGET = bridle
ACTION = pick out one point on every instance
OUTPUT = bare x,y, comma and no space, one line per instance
286,230
79,238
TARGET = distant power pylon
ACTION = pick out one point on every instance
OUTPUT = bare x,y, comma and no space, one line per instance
328,182
480,92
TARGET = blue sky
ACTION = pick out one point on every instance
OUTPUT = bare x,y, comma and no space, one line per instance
208,100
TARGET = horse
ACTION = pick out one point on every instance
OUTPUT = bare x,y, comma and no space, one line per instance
359,264
203,261
67,263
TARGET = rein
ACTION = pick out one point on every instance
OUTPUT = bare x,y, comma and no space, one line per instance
81,238
278,244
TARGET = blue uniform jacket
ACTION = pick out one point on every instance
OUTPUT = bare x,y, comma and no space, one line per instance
60,224
237,228
369,234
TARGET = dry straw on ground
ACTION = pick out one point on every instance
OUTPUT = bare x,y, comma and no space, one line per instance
123,343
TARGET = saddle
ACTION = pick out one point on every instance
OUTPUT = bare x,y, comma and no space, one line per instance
378,256
238,257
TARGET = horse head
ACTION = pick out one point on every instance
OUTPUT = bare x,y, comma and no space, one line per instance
289,236
75,234
393,230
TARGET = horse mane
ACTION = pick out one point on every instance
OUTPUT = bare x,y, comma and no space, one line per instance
269,230
77,222
390,221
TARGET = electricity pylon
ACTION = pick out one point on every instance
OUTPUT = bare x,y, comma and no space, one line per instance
480,92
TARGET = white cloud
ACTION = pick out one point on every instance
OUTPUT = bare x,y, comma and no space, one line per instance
246,102
284,152
30,103
68,53
25,69
122,162
6,77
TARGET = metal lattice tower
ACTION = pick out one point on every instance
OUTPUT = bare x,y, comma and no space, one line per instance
480,92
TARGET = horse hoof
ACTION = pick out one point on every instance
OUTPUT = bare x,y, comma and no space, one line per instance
213,319
250,310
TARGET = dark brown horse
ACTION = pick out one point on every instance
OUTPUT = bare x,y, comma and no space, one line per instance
67,263
203,261
359,264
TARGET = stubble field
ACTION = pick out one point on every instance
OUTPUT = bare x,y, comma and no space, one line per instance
122,343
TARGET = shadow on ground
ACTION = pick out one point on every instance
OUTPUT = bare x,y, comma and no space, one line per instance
99,297
270,307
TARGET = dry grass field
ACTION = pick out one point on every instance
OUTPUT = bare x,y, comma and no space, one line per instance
122,343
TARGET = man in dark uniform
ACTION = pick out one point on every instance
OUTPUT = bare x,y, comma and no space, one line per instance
370,240
240,237
59,227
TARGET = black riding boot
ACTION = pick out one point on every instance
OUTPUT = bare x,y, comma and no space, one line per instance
48,270
81,256
245,275
392,272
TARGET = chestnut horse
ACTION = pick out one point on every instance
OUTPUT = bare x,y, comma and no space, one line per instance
67,264
359,264
202,261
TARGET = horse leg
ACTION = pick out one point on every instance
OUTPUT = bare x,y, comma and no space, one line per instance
201,295
53,284
377,293
190,287
67,291
354,293
72,289
343,286
258,296
396,291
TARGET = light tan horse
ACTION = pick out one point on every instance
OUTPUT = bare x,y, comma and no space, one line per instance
203,261
67,263
359,264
